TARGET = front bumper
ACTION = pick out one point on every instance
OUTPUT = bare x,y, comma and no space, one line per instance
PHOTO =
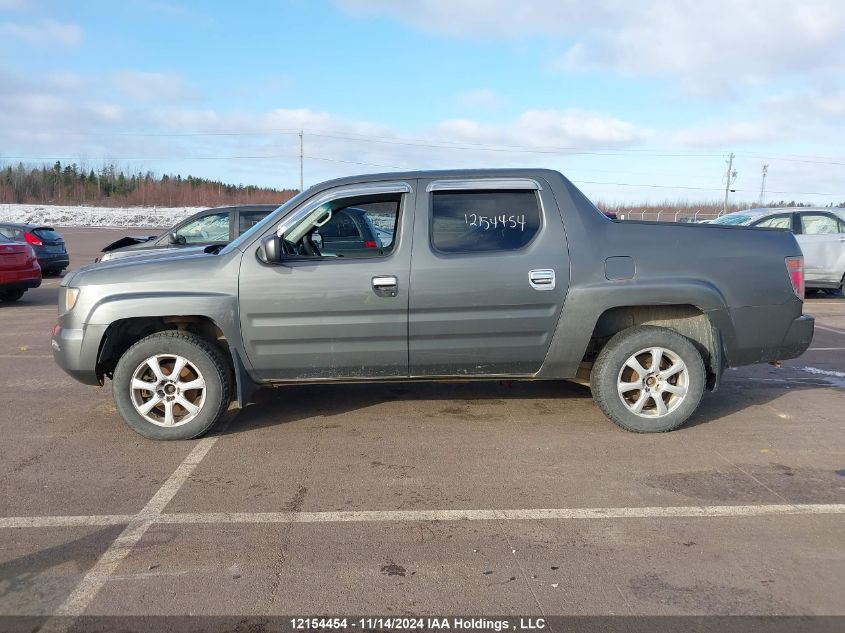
798,337
76,350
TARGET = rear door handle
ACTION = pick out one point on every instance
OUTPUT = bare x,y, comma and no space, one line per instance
542,279
385,286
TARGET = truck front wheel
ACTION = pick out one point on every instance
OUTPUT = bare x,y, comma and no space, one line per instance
648,379
171,385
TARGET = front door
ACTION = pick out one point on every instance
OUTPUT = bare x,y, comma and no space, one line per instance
489,277
328,314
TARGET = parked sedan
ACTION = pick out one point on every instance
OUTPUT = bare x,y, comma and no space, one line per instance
219,226
820,233
48,244
19,269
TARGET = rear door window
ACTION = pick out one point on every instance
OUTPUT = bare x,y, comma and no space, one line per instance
483,221
819,224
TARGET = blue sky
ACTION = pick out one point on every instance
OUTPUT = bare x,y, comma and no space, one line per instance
634,101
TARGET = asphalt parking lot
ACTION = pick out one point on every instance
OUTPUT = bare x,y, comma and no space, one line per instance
421,498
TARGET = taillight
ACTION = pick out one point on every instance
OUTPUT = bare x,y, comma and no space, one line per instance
31,238
370,244
795,268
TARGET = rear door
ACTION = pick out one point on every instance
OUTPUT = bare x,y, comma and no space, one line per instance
331,316
822,240
489,277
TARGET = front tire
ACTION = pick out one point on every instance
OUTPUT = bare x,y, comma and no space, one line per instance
648,379
172,385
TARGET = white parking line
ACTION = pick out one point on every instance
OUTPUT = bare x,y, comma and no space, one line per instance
398,516
829,329
66,521
90,585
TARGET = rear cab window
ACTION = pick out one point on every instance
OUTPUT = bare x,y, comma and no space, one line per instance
483,220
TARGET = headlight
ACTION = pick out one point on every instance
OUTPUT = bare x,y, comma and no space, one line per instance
105,257
71,295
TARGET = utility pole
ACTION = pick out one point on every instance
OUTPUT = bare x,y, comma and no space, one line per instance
730,178
763,185
301,164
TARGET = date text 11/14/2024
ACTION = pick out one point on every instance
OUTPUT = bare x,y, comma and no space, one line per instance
418,623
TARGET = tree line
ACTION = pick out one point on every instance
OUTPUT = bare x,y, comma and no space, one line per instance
110,186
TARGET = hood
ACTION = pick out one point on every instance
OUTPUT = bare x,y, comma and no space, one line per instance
158,251
170,256
128,242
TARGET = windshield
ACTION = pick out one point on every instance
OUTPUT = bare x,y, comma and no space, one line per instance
259,228
736,219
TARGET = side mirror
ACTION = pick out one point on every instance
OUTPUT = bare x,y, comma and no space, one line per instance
270,250
175,238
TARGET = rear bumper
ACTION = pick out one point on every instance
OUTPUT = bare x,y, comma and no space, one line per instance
54,260
75,351
798,337
20,279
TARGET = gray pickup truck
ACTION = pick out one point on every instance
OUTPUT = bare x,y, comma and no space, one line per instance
486,274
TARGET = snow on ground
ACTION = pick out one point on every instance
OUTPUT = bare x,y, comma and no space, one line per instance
58,215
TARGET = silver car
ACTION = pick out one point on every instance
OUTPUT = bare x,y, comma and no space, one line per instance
820,233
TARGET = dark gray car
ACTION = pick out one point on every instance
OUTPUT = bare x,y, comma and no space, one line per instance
217,226
488,274
47,242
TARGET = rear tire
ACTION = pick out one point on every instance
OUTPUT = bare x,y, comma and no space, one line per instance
643,399
11,295
188,390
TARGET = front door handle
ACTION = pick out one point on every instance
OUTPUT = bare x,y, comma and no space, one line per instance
385,286
542,279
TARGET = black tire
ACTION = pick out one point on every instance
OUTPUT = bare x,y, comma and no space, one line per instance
203,354
611,363
11,295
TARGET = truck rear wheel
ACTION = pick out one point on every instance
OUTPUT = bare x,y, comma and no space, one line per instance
648,379
172,385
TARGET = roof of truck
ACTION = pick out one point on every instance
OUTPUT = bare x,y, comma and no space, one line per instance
438,173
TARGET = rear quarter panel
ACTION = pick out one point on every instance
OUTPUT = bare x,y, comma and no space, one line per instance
736,275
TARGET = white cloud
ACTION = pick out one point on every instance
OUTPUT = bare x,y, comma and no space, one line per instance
708,47
482,98
152,86
42,33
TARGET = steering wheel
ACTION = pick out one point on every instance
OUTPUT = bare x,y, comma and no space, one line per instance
309,246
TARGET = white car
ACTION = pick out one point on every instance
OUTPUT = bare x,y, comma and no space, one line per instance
820,233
